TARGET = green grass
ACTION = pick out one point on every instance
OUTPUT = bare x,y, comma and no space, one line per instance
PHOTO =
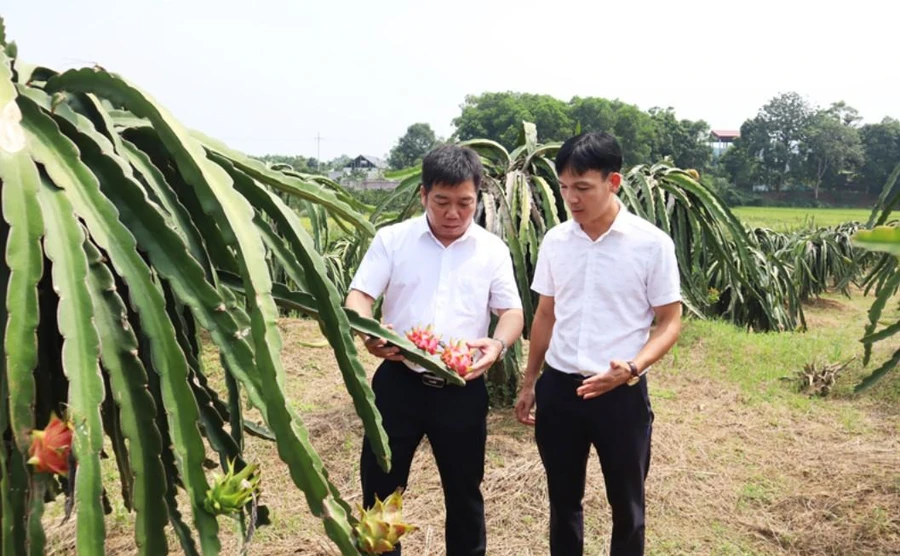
789,218
765,364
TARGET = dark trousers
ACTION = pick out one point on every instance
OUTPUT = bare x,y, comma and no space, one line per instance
618,425
455,420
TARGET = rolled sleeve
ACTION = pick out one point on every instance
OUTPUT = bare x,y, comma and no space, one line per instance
664,282
504,290
374,270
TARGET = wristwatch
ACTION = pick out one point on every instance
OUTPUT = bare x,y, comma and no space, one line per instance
635,375
502,348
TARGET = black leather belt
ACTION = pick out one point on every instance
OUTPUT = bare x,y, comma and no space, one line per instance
428,378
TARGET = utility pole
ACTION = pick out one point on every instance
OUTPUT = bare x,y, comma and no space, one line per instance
318,149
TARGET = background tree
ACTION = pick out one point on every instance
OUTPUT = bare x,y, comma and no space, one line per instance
499,117
685,141
776,136
881,143
412,146
833,146
631,126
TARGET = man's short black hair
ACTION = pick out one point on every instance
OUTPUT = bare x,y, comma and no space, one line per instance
451,165
595,150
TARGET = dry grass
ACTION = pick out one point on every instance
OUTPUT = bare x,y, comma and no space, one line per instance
729,475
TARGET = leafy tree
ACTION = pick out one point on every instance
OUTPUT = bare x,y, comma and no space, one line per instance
499,117
881,142
776,135
741,167
631,126
845,113
684,141
833,147
415,143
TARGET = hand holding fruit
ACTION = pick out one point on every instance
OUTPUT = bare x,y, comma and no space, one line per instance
490,349
379,347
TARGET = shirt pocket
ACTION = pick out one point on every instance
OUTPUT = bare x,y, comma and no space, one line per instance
472,294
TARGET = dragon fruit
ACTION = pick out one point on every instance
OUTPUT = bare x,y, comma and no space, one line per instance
458,357
50,447
233,491
380,528
425,338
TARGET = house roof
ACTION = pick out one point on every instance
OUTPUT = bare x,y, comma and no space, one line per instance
373,160
726,133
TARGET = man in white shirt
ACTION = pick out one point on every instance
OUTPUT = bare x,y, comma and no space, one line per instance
603,276
439,269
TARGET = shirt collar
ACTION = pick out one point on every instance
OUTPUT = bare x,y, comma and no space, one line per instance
619,224
422,228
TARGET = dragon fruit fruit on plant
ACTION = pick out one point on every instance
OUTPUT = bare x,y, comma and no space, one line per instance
458,357
50,447
381,526
233,491
425,338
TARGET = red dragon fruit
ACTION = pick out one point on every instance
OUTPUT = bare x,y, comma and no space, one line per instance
424,339
458,357
50,447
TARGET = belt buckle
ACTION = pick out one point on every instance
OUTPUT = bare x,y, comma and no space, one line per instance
429,379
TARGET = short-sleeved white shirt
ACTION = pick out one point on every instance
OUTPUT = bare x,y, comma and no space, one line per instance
455,288
604,291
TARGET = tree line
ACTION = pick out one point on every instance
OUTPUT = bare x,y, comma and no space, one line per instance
790,144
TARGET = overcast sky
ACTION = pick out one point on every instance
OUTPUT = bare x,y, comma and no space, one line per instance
267,76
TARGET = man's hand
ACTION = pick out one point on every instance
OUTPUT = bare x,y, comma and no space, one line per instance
490,352
379,347
617,374
524,405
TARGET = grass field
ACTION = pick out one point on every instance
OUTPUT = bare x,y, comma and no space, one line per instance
789,218
742,463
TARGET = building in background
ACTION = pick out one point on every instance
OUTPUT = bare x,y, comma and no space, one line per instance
720,140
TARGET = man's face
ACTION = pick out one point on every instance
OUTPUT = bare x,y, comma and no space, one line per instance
450,209
589,195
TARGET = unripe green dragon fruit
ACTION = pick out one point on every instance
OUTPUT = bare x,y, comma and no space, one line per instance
233,491
381,527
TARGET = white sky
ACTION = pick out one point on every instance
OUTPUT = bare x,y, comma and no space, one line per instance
267,76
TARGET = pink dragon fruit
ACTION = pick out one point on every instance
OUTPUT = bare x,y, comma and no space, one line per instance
425,339
458,357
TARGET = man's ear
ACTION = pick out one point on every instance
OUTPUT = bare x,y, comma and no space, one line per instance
422,195
616,180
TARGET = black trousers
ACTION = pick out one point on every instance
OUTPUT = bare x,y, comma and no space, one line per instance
455,421
618,425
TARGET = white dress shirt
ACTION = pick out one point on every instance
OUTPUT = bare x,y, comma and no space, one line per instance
454,287
604,291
